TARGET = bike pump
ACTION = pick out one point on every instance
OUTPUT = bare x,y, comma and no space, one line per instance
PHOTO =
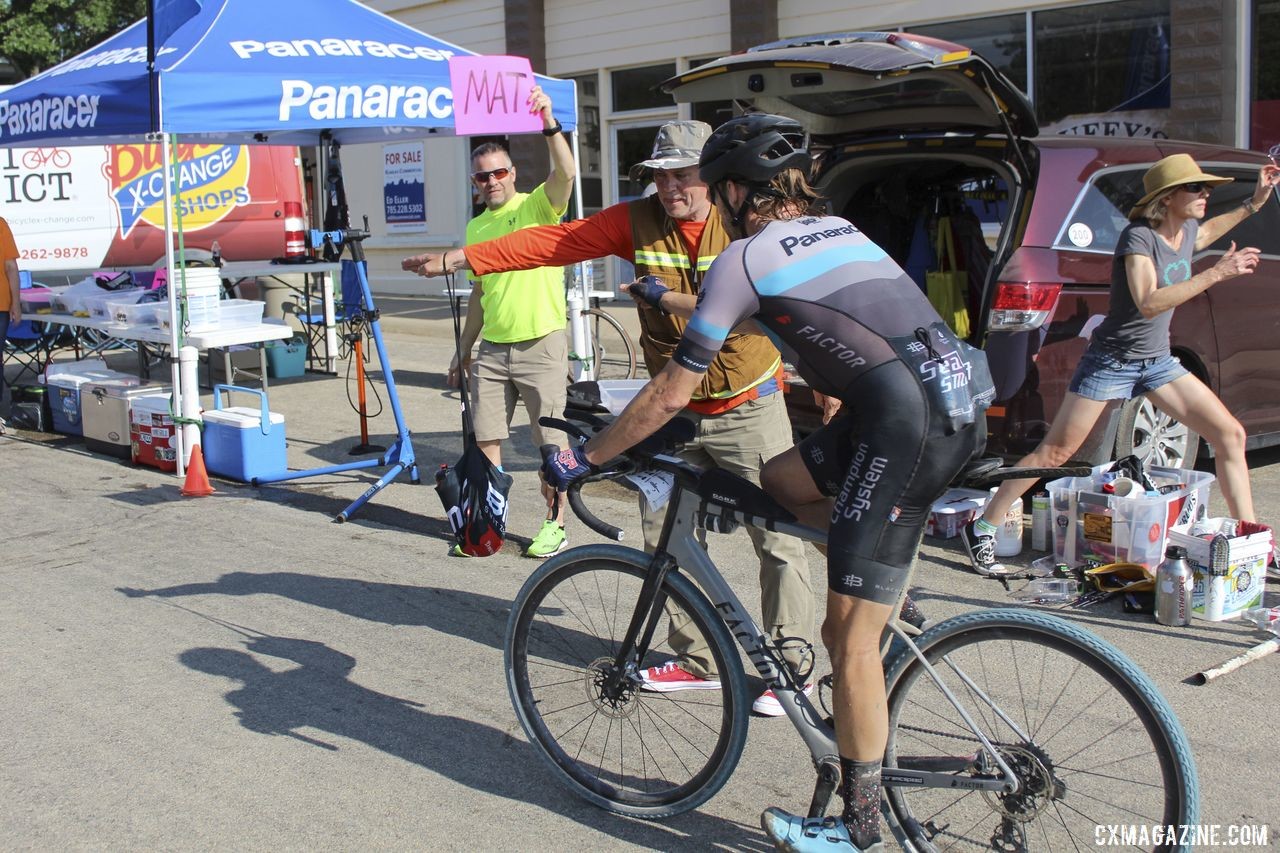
400,457
356,340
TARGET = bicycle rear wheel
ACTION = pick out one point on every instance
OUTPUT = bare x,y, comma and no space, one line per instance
1090,738
611,347
618,746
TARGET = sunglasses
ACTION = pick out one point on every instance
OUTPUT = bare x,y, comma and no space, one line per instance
483,177
1273,153
1195,187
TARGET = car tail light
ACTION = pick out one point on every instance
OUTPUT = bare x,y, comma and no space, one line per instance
295,230
1020,306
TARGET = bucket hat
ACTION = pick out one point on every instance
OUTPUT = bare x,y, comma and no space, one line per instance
678,145
1172,171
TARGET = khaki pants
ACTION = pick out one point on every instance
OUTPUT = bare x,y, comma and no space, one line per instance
741,440
533,371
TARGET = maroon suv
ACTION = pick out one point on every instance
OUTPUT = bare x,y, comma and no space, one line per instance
912,132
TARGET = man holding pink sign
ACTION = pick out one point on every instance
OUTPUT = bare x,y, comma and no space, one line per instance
519,317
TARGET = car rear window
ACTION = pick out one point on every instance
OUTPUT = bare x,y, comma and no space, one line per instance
1101,212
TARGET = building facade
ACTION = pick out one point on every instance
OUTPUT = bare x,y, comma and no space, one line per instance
1191,69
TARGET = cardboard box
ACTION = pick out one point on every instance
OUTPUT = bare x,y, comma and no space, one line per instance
1091,526
951,512
1237,583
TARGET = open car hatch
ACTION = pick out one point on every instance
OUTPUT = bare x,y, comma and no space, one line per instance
866,84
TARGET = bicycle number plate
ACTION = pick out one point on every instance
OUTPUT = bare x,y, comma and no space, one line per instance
656,486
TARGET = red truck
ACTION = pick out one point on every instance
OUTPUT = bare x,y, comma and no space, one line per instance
101,206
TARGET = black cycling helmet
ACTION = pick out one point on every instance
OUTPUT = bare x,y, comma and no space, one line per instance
752,149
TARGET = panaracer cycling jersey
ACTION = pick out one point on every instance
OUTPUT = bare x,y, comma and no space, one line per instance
857,328
841,306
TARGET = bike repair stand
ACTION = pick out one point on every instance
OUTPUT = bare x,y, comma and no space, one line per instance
400,457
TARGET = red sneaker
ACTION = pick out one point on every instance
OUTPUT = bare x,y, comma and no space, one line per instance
671,676
768,705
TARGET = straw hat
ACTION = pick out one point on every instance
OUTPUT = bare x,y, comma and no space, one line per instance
1173,171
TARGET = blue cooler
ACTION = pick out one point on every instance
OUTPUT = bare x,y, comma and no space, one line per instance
242,443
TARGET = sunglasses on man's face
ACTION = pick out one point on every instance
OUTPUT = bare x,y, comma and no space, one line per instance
483,177
1195,188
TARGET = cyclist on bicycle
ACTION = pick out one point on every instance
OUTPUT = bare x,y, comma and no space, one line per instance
862,332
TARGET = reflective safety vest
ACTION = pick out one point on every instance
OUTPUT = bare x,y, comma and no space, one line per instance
746,361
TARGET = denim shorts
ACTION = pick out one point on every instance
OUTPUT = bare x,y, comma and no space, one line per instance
1103,375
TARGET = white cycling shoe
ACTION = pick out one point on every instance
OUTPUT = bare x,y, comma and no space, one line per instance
795,834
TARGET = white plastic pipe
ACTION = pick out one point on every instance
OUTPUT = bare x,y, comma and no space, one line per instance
189,435
579,340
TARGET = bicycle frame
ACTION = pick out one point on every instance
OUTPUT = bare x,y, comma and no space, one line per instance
679,541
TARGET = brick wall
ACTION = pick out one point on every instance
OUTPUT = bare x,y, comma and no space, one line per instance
1204,59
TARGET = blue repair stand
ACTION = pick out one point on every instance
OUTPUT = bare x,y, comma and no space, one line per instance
400,456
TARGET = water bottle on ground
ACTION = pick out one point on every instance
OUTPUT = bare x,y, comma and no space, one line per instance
1174,581
1265,618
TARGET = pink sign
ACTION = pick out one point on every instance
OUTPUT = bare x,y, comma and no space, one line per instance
491,95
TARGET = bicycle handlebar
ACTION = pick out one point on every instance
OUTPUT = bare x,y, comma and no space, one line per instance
675,432
573,493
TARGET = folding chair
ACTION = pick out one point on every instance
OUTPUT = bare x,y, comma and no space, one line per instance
28,344
346,316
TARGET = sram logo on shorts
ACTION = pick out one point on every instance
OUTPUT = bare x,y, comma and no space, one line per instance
212,180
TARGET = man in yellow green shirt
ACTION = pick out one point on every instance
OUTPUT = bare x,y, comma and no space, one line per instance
519,317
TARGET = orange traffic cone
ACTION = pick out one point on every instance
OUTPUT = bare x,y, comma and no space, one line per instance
197,484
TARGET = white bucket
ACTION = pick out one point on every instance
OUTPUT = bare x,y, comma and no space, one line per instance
203,294
1009,533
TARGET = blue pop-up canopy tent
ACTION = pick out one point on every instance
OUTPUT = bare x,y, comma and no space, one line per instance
277,71
283,72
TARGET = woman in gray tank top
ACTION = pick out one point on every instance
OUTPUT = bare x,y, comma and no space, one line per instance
1129,355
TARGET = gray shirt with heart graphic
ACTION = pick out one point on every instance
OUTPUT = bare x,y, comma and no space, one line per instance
1125,331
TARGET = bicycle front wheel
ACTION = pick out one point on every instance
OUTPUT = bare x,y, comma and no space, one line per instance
611,346
1092,742
614,743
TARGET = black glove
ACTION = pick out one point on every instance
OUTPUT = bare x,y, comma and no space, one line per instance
562,468
649,290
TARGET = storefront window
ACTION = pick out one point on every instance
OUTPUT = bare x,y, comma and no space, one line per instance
1265,110
588,146
1000,40
636,88
1101,58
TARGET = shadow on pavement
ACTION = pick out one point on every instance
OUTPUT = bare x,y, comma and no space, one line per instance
318,696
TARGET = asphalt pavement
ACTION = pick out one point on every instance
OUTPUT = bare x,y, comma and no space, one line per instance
240,672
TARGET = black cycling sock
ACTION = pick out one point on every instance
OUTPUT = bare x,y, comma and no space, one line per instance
860,789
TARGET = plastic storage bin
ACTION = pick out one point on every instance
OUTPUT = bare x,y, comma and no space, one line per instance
240,313
102,307
104,407
241,443
286,359
246,361
1237,582
1091,526
152,434
951,512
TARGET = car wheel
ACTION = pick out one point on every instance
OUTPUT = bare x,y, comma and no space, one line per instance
1155,437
